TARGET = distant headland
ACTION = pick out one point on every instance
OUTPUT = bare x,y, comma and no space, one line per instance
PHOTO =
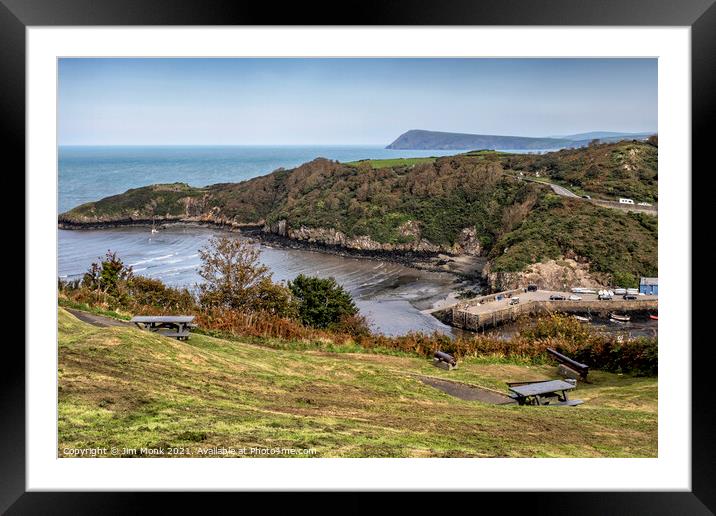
420,139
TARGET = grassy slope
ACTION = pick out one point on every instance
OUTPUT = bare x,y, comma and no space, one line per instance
124,387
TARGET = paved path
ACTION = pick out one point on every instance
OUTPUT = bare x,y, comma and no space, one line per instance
467,392
97,320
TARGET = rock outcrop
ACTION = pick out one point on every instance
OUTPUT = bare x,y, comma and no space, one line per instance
549,275
467,245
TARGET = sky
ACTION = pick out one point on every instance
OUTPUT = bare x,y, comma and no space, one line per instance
343,101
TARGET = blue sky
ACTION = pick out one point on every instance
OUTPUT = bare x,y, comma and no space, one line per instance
346,101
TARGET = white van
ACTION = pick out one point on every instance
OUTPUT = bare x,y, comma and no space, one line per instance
626,201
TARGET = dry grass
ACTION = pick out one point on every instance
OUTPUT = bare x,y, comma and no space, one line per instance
124,388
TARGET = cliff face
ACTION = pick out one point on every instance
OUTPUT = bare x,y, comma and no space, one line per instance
465,245
548,275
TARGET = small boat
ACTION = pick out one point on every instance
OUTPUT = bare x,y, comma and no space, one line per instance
154,229
620,318
654,317
581,318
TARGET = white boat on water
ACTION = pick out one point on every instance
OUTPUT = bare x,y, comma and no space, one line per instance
620,318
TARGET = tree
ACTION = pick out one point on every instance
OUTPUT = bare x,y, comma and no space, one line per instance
106,275
321,302
234,278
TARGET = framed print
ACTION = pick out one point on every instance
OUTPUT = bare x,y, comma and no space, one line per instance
418,253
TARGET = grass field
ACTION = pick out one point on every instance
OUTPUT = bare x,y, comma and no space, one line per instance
125,388
393,162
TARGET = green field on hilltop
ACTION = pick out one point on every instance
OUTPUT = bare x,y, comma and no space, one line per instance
126,388
392,162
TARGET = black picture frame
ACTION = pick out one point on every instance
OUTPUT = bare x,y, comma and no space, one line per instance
700,15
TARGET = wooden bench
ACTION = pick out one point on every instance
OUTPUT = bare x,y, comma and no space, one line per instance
175,326
568,367
542,393
444,361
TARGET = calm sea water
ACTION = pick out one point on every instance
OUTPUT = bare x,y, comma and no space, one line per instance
391,296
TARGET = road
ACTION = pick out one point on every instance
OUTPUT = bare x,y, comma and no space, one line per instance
560,190
564,192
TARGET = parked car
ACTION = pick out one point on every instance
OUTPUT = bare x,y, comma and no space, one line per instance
574,298
605,295
557,297
644,204
630,297
586,197
531,288
514,301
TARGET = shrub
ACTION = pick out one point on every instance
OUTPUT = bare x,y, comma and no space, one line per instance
146,291
625,279
321,302
354,325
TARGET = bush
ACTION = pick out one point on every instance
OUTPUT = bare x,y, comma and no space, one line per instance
354,325
625,279
322,303
146,291
599,351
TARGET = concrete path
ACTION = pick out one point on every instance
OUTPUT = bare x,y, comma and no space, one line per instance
467,392
97,320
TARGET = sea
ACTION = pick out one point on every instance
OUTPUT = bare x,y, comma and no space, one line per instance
391,296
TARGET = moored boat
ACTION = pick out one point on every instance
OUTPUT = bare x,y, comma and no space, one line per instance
581,318
653,317
620,317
